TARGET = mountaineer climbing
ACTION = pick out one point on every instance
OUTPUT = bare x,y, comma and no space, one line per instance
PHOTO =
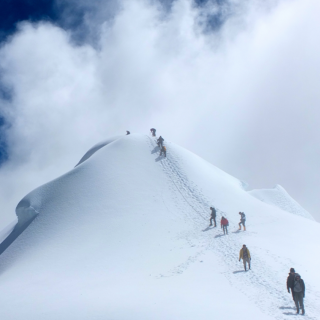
299,293
224,224
242,221
160,142
245,256
153,132
290,281
164,151
213,216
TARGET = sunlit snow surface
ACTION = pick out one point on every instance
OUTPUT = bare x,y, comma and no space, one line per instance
125,235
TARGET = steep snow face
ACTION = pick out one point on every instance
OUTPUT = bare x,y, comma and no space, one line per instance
280,198
125,235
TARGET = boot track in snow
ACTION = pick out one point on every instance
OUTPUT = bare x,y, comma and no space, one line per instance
267,287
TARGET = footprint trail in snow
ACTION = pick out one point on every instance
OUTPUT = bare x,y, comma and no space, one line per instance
262,285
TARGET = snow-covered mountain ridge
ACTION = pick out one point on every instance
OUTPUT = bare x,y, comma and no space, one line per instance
280,198
124,235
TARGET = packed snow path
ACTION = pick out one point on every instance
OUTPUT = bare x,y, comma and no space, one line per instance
265,283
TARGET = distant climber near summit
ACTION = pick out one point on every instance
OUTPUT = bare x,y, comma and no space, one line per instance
163,151
160,141
153,132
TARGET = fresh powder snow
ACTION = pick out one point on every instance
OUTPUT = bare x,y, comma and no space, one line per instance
125,235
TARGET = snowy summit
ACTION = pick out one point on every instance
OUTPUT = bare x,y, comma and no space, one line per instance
125,235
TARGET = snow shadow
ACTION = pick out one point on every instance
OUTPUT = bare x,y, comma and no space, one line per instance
239,271
283,308
220,235
290,313
26,214
159,158
208,228
155,149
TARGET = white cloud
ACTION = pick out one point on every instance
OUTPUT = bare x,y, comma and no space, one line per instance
245,98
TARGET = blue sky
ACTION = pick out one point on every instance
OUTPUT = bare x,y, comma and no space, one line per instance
15,11
69,15
233,81
11,13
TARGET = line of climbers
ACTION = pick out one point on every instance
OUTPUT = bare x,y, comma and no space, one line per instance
163,149
294,281
224,221
298,288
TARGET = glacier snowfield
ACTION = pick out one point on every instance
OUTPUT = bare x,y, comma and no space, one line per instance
124,235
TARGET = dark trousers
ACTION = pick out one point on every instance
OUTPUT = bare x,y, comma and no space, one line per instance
292,292
225,229
242,222
164,152
214,219
298,300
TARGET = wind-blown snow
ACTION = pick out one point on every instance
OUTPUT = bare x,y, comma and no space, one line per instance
124,236
280,198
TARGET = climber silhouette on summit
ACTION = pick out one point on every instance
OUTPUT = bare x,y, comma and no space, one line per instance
153,132
160,141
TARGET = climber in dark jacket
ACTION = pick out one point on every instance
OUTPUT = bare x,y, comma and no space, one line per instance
242,221
153,132
213,216
290,281
160,142
299,291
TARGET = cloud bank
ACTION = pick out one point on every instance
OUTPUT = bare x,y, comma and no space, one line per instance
243,96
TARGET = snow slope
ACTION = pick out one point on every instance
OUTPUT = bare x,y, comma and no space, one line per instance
124,236
280,198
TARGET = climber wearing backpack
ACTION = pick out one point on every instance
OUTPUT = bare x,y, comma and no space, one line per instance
128,132
213,216
153,132
299,292
160,142
164,151
245,256
242,221
224,224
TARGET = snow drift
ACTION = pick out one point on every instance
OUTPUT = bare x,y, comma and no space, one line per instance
124,235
